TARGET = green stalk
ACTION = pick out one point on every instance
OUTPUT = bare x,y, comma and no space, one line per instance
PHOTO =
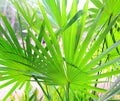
67,91
58,93
112,35
47,96
94,92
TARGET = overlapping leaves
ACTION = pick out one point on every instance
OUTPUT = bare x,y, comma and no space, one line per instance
41,57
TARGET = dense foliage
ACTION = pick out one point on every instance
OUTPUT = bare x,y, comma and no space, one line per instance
69,54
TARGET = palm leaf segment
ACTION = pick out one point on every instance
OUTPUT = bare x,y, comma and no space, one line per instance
76,63
111,9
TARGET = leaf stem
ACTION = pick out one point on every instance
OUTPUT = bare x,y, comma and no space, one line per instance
58,93
47,96
67,91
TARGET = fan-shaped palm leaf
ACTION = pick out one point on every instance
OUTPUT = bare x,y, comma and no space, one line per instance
73,66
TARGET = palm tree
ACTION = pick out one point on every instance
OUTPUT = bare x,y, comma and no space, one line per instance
72,70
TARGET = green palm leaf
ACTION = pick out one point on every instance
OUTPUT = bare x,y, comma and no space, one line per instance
72,66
